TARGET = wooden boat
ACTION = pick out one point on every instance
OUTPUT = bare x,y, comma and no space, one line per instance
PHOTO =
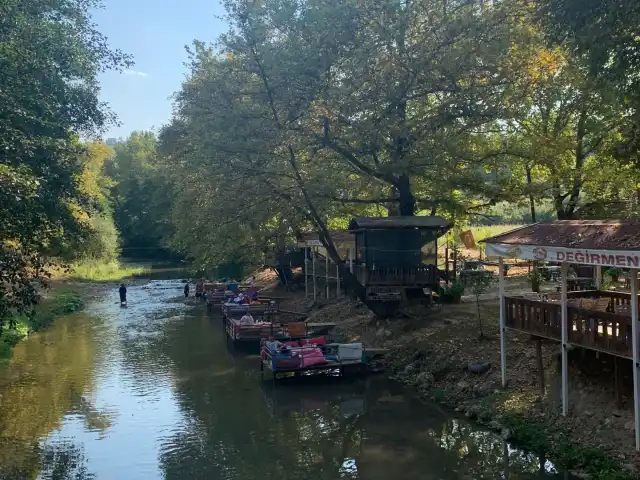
266,329
257,308
310,355
239,332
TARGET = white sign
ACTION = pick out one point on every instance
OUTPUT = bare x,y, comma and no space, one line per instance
609,258
310,243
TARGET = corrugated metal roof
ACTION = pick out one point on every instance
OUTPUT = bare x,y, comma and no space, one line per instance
587,234
399,222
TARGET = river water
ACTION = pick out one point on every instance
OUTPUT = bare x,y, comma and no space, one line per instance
152,391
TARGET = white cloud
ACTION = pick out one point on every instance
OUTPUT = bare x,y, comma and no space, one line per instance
136,73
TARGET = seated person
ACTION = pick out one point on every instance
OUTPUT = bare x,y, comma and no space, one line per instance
252,293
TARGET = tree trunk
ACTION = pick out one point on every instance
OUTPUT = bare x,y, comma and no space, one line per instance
532,203
406,199
350,279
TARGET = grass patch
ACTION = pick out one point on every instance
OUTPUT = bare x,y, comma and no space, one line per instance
58,301
99,271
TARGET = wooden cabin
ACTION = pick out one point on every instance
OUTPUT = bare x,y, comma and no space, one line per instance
395,255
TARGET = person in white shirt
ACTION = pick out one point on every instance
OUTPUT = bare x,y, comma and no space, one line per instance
247,319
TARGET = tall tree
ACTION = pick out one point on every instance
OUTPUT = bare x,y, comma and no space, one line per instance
140,203
317,106
50,55
605,33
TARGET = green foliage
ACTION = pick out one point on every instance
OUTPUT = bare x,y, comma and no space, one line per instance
606,35
58,303
140,196
50,55
451,293
535,277
613,272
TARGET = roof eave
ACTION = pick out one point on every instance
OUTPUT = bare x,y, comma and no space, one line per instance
495,238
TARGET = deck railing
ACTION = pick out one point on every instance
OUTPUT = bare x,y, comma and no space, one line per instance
604,331
418,275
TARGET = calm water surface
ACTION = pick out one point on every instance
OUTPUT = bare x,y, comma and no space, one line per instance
152,392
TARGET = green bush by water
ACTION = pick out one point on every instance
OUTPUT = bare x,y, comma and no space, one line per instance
60,302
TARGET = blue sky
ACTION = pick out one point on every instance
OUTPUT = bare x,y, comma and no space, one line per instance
155,33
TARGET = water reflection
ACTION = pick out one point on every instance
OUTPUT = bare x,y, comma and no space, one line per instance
152,391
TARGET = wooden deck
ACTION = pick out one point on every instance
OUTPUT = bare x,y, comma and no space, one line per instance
604,331
405,276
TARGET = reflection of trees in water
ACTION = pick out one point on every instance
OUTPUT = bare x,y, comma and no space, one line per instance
61,460
231,432
141,341
237,430
64,461
430,444
46,378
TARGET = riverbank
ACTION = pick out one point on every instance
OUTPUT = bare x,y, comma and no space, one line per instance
430,350
67,293
60,299
100,271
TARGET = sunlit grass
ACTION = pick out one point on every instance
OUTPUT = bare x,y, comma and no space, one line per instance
480,232
100,271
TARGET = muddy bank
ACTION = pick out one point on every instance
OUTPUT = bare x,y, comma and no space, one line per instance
430,351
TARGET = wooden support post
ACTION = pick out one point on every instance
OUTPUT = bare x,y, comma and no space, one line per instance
540,365
634,335
446,261
351,260
565,344
326,269
505,460
455,264
503,328
598,277
315,290
616,382
306,272
338,281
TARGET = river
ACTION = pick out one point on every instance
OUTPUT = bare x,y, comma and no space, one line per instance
153,392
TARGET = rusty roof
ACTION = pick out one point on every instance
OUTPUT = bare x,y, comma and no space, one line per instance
399,222
587,234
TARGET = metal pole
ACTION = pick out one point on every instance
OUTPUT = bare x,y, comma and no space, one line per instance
338,280
565,345
326,269
306,272
503,349
315,290
634,335
351,260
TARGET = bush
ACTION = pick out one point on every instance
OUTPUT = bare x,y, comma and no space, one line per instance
451,293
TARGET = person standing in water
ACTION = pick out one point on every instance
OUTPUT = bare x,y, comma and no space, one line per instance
123,293
186,290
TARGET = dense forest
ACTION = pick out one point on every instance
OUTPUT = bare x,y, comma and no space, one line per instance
305,113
